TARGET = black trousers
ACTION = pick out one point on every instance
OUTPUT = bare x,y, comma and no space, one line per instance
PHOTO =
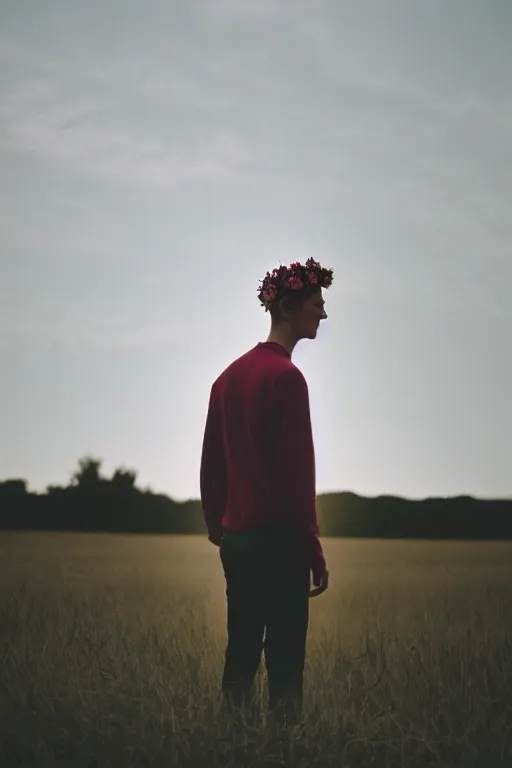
267,589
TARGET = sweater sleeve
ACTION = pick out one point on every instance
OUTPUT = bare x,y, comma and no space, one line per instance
295,458
213,475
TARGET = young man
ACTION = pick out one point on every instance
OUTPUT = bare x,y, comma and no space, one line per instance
258,495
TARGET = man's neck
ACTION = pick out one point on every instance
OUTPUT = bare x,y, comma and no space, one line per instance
284,338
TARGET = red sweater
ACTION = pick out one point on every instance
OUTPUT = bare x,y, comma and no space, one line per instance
258,461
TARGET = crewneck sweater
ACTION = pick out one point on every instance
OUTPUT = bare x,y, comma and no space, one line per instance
258,460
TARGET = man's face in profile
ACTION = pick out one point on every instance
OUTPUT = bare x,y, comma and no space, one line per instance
311,314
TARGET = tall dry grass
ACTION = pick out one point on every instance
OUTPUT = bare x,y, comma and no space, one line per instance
111,653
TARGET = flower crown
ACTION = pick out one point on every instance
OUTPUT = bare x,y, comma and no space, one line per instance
294,277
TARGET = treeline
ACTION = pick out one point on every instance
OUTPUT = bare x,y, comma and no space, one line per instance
92,502
458,517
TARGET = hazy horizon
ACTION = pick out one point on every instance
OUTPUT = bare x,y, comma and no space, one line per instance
155,162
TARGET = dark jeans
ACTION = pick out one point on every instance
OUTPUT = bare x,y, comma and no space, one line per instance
267,588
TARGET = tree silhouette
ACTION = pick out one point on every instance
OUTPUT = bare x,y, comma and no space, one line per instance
88,475
123,480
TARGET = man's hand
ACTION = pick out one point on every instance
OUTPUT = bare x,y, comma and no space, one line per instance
321,582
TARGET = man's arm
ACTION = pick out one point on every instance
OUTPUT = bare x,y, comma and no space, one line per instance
295,459
213,474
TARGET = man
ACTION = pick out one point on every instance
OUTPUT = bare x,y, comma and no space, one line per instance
258,495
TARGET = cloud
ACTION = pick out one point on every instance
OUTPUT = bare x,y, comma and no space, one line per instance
43,111
232,10
78,322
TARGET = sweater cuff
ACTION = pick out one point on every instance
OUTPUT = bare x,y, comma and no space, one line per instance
215,534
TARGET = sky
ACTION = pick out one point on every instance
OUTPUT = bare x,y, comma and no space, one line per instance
157,158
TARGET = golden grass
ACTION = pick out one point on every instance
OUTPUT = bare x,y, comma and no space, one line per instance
111,654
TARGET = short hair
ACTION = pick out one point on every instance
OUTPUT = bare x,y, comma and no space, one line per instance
292,300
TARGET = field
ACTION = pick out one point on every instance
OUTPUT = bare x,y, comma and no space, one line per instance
111,653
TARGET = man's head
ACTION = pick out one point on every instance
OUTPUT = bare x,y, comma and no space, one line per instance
293,296
300,314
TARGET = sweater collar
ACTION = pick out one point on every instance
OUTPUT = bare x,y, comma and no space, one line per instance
275,347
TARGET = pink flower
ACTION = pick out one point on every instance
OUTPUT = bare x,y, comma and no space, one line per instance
312,278
270,293
294,282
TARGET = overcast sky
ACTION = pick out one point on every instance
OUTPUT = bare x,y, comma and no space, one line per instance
157,158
